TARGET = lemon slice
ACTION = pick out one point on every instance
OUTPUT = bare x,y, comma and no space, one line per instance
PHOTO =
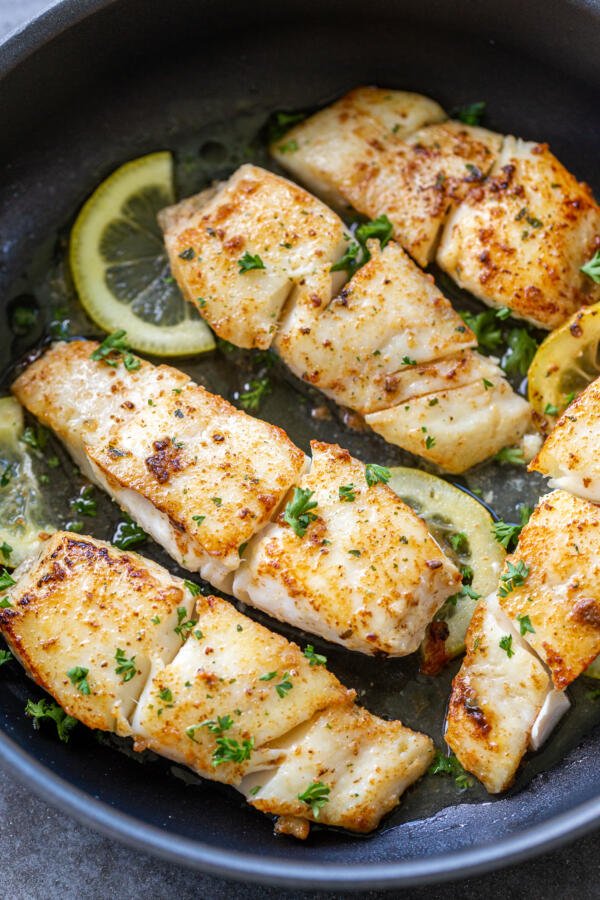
463,528
566,362
22,516
120,266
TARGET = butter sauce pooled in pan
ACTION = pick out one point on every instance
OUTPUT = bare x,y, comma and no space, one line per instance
124,646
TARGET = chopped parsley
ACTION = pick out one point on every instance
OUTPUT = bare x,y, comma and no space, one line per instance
485,327
429,442
525,625
85,504
354,552
256,391
115,348
125,667
514,576
510,456
505,643
216,500
288,146
230,750
268,676
471,114
78,677
166,695
249,261
592,267
45,710
128,535
521,350
408,361
347,493
282,122
218,725
506,533
314,659
349,261
284,686
449,765
5,656
184,625
316,796
459,541
380,228
6,580
198,519
550,409
375,473
298,513
7,474
5,550
35,437
192,587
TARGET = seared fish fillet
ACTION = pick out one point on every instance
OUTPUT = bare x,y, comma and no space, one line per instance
197,474
363,345
502,701
369,119
413,174
203,478
457,412
560,595
387,319
520,239
569,455
293,237
366,574
119,643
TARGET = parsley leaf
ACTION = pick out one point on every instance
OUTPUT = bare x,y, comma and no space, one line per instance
288,146
230,750
506,534
375,473
592,267
5,656
248,261
380,228
255,392
521,350
184,626
298,513
45,710
525,625
449,765
6,550
128,535
125,667
284,686
514,576
346,493
115,348
471,114
316,796
193,588
78,677
510,456
485,327
5,580
349,261
282,122
85,504
314,659
550,409
505,643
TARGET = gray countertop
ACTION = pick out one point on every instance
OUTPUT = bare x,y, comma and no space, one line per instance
45,853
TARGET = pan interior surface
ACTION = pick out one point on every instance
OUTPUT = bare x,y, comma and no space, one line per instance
93,84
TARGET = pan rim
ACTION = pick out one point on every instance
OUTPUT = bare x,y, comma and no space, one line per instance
19,45
236,865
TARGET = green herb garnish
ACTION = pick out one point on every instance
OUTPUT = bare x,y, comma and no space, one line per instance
125,667
298,513
375,473
78,678
248,262
316,796
45,710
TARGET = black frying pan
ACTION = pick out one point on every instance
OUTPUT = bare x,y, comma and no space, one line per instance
96,82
